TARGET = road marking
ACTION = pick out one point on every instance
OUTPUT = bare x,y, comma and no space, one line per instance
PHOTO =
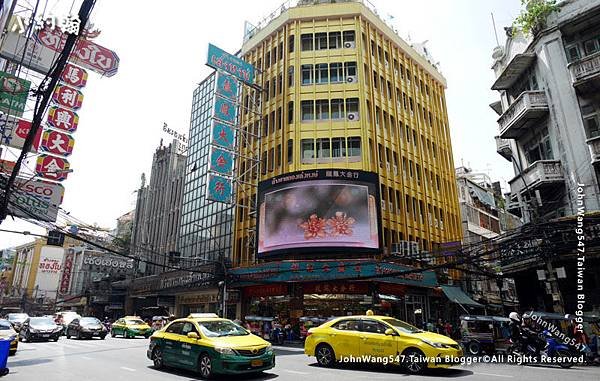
128,369
295,371
86,358
494,375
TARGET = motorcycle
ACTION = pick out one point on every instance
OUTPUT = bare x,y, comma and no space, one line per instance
558,352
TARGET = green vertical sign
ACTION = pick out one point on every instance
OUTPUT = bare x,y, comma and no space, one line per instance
13,94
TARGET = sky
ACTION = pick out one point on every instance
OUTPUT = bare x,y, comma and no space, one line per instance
162,49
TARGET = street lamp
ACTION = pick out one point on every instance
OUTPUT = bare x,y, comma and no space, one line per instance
221,262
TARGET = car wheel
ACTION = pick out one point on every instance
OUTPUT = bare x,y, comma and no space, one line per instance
565,357
102,337
325,355
474,348
12,353
78,335
157,358
414,361
67,335
205,366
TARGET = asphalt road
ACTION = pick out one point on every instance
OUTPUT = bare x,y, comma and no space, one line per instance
125,359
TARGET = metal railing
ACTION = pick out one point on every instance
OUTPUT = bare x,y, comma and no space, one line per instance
539,172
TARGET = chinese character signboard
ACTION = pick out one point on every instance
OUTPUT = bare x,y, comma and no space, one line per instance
67,96
57,143
219,189
74,76
66,275
52,167
221,161
227,86
222,135
225,110
63,119
13,133
221,60
13,94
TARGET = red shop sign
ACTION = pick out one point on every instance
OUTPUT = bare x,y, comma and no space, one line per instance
265,290
392,289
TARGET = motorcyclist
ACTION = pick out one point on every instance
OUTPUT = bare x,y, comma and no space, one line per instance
530,335
515,327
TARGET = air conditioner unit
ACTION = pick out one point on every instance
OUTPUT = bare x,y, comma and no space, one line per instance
387,166
351,79
382,204
352,116
391,206
349,45
395,170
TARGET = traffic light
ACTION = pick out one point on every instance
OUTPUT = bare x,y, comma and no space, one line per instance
55,238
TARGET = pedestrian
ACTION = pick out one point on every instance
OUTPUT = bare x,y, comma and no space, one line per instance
448,329
439,327
430,325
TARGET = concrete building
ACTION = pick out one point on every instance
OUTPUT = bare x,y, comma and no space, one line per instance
549,112
549,128
484,218
348,103
158,211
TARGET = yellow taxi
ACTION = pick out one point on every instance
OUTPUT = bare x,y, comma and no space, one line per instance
380,339
209,345
130,327
7,332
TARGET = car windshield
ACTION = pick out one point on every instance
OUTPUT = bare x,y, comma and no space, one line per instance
41,322
402,326
134,322
17,317
220,328
5,325
89,321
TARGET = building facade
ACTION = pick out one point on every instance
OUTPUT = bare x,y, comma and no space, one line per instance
158,211
548,127
347,102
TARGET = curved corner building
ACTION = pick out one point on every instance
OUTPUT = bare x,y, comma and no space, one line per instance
344,99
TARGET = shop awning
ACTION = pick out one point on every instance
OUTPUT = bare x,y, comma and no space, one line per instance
458,296
482,195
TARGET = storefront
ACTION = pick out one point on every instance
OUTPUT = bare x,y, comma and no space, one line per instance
289,292
207,300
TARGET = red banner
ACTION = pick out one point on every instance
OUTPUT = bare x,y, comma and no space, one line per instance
66,275
265,290
392,289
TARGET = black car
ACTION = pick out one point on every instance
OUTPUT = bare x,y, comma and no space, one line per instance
86,327
39,328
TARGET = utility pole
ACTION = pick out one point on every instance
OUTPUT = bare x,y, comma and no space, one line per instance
46,95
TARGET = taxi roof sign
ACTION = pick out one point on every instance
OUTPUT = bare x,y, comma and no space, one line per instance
202,315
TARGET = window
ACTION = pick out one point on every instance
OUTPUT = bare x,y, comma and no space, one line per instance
308,110
591,46
291,76
267,60
307,74
320,41
290,151
354,146
347,325
337,109
336,73
323,148
307,42
271,159
591,121
308,149
266,88
538,147
266,126
187,328
349,36
280,51
321,73
335,40
175,328
338,147
278,119
280,83
351,105
322,109
290,112
350,68
291,43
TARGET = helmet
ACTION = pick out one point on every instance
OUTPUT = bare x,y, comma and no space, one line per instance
369,313
514,316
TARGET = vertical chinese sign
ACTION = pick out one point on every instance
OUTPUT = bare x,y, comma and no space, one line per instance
231,72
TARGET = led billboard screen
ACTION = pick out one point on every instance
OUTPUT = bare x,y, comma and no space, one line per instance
319,209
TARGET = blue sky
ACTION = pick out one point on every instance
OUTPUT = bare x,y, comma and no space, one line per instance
162,49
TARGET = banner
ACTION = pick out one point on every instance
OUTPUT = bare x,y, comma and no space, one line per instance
14,131
220,59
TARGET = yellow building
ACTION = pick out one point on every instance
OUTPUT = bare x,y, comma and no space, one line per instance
342,90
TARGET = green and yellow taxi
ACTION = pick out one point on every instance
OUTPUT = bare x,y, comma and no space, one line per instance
380,339
210,345
130,327
7,332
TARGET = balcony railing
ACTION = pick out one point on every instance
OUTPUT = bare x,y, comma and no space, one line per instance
585,68
503,148
595,149
525,110
542,172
